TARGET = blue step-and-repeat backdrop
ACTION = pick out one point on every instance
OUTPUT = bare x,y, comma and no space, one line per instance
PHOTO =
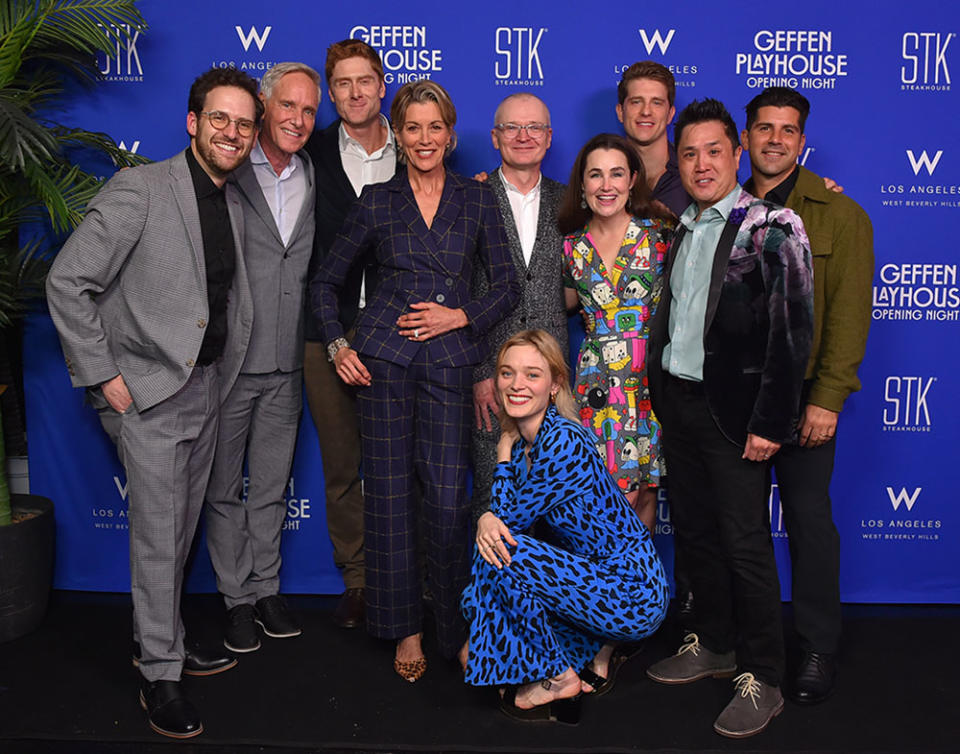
883,123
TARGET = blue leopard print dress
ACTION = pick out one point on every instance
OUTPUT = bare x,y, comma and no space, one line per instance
556,604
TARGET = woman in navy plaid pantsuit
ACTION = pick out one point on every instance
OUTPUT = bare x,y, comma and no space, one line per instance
416,342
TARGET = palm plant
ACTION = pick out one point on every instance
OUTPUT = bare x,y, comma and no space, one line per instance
47,46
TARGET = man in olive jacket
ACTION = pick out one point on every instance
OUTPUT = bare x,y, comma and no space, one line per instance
841,242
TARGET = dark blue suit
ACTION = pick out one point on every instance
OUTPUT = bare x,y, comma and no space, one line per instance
415,416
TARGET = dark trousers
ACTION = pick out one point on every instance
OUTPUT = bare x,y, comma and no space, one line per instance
415,426
333,406
719,504
804,478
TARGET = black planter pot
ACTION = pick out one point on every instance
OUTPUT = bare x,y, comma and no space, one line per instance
26,567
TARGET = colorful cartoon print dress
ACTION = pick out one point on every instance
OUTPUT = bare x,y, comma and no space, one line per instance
611,382
557,603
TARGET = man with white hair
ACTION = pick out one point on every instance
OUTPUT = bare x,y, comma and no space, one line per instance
260,416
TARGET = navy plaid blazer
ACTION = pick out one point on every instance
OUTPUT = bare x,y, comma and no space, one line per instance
416,263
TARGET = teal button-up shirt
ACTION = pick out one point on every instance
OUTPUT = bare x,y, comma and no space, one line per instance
690,286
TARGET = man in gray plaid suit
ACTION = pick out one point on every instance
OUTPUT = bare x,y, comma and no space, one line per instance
260,416
528,204
150,299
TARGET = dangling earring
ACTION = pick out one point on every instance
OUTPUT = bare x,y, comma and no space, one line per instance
553,397
583,200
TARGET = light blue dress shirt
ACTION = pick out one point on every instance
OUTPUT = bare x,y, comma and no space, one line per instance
690,286
284,193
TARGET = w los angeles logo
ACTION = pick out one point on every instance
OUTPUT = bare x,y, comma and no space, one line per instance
923,161
656,40
903,498
253,36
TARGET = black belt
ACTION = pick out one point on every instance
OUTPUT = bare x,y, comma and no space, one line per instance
691,387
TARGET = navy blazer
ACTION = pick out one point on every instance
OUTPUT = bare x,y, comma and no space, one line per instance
416,263
335,195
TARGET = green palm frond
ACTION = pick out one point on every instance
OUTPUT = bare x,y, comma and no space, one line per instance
73,137
43,43
22,274
23,140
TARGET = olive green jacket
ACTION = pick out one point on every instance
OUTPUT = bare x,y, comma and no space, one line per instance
841,241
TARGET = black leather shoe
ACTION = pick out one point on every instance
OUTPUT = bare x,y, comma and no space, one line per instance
241,632
349,612
168,710
275,618
197,661
815,678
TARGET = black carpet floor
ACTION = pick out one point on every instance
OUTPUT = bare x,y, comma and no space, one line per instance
70,687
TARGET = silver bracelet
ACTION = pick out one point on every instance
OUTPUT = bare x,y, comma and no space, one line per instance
335,345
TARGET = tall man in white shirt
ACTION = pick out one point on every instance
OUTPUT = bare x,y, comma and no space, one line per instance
528,204
354,151
260,416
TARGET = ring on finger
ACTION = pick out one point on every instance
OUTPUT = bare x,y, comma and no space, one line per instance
416,333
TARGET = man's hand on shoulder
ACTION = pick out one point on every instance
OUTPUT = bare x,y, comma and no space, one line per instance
831,185
481,176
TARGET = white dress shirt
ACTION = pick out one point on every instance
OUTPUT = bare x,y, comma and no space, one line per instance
362,169
526,212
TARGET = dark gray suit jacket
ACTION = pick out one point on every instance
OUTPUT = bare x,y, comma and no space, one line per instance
541,304
277,274
128,291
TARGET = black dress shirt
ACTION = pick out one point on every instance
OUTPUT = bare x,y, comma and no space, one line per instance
779,193
669,189
219,254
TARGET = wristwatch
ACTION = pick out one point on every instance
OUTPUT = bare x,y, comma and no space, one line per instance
335,345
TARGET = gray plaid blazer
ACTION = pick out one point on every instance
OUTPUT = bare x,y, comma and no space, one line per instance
128,291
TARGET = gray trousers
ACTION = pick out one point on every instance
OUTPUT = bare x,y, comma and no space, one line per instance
166,452
258,420
333,406
483,451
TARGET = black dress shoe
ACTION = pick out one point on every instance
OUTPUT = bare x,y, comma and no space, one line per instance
349,612
168,710
241,632
205,662
275,618
815,677
197,661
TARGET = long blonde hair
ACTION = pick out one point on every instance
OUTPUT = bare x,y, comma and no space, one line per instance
547,347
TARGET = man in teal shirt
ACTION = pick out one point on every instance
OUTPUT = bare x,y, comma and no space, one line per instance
729,346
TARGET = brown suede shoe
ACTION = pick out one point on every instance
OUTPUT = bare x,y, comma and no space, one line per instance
692,662
349,612
753,706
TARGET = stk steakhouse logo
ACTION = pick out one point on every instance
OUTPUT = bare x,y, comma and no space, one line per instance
656,44
924,67
905,403
898,526
123,64
517,50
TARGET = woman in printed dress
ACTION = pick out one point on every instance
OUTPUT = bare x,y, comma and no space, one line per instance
540,612
616,239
